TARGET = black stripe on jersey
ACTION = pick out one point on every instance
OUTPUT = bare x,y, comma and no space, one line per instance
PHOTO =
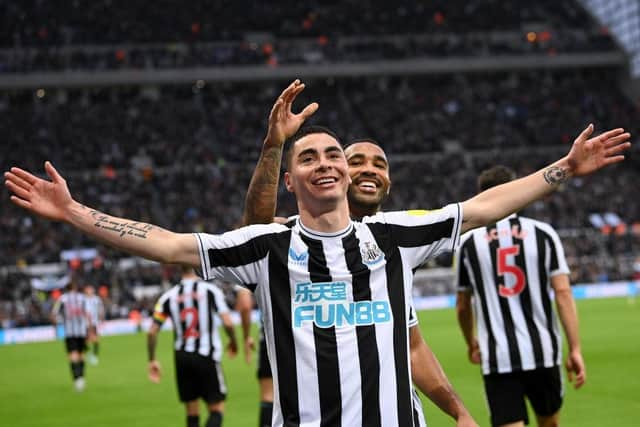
212,307
509,327
195,321
369,361
408,237
183,322
326,345
525,295
469,249
542,238
280,294
385,237
250,251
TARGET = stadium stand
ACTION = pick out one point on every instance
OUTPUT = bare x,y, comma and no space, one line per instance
181,156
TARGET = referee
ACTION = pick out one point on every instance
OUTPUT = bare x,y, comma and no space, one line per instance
511,268
194,307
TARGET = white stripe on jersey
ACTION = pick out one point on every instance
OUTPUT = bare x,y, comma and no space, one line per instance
73,307
318,308
193,313
519,323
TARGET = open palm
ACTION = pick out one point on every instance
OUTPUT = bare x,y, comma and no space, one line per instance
283,123
589,155
49,199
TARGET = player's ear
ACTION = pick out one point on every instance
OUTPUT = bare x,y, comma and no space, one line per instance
287,182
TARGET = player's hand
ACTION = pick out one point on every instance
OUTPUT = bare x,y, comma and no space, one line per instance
589,155
50,199
473,351
575,369
232,348
249,348
154,371
283,123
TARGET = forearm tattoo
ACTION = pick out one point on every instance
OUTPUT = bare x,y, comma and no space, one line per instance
123,228
555,175
263,189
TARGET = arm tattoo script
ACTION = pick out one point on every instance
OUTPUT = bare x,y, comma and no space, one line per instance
135,229
260,202
555,175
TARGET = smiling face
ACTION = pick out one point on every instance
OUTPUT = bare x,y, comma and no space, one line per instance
317,173
369,171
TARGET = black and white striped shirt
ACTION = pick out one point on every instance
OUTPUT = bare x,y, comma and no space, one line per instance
335,308
95,309
193,306
73,306
508,267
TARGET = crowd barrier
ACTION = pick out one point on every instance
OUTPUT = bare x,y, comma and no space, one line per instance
128,326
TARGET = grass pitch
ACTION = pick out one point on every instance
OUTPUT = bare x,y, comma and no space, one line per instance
37,390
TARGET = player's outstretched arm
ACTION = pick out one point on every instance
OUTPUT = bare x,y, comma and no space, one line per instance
430,379
586,156
260,202
568,314
52,200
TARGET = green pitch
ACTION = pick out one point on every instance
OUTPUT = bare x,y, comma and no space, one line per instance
36,385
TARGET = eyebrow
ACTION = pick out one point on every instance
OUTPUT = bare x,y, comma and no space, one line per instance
307,151
376,157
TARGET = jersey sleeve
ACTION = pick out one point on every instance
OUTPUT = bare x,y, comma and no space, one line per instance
558,260
460,258
413,317
235,256
423,234
160,310
220,302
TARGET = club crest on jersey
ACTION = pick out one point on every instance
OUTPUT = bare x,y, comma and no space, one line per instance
298,258
371,253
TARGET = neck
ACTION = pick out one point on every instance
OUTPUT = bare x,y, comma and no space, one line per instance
325,221
360,211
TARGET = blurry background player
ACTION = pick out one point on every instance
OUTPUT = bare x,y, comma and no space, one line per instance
72,306
194,307
95,311
511,268
241,300
370,185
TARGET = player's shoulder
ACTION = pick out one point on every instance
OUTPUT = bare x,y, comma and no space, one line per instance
541,225
421,215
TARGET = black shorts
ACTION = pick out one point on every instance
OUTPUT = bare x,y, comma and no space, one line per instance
199,376
75,344
264,368
506,394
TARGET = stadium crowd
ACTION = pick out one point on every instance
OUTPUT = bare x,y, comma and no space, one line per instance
37,36
181,157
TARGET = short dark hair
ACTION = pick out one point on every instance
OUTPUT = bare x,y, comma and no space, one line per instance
495,176
301,133
361,140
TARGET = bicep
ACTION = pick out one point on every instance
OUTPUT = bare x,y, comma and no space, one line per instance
184,249
561,285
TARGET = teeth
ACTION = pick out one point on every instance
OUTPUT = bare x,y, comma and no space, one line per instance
368,185
325,181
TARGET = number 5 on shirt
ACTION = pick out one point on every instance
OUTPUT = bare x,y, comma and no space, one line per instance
504,268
